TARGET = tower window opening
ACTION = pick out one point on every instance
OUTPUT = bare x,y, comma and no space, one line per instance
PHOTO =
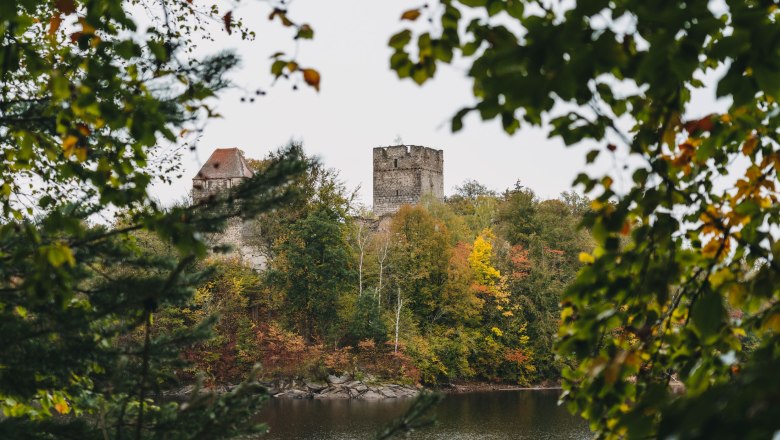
396,192
395,163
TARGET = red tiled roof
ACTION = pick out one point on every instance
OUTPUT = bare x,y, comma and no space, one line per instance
224,163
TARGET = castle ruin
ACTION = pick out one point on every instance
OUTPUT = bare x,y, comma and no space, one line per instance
403,174
226,168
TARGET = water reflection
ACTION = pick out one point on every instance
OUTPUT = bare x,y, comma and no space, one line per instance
489,415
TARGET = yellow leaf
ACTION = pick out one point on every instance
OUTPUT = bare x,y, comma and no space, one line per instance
710,250
312,78
586,258
736,295
720,277
81,154
62,407
69,145
21,311
772,323
749,146
411,15
86,28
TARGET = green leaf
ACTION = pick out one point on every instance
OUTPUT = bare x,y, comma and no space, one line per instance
401,39
707,314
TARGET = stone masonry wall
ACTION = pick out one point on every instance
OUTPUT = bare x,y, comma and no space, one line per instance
403,174
204,188
236,230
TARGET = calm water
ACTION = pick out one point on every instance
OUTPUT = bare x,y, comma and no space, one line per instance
489,415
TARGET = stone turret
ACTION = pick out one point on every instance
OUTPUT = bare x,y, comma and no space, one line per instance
226,168
403,174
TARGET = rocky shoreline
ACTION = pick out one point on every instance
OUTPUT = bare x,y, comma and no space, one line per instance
366,388
340,387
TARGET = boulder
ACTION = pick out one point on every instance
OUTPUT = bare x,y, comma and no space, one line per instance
360,387
294,394
333,393
371,395
388,392
315,386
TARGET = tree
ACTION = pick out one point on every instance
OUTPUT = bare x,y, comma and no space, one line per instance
419,259
314,267
366,321
88,106
684,266
318,186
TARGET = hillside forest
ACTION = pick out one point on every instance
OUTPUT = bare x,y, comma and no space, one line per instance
465,289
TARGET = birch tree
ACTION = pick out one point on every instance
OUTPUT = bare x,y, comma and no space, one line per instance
383,249
399,302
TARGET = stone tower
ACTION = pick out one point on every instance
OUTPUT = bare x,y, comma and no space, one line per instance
403,174
225,169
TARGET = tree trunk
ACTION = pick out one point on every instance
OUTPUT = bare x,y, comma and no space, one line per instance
400,303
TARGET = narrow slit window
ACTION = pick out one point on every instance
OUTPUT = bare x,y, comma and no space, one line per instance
396,192
395,163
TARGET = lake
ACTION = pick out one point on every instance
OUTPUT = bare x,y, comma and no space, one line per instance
526,414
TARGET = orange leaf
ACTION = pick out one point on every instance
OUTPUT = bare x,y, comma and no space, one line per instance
411,15
54,23
703,124
312,78
83,129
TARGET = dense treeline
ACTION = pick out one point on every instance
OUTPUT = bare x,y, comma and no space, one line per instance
462,289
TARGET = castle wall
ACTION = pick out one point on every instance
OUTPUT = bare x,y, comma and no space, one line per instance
403,174
204,188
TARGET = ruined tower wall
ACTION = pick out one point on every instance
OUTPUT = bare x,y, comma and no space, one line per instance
204,188
225,169
403,174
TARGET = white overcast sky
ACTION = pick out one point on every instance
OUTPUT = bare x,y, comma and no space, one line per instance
362,105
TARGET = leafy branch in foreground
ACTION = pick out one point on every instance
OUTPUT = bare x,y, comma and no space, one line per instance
683,282
92,111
